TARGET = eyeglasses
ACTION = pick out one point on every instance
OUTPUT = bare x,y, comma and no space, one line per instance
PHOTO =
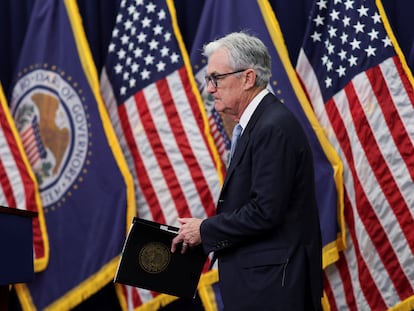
214,77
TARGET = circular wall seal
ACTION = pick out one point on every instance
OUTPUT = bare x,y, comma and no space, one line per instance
53,124
154,257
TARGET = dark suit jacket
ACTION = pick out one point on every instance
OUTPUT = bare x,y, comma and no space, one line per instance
266,233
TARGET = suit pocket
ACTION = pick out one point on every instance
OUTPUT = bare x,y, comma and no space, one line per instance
266,267
264,258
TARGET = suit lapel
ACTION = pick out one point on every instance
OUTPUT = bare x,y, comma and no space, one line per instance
245,138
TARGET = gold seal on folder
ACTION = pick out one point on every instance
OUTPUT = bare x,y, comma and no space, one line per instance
154,257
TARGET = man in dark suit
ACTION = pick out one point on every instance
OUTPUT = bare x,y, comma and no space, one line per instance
266,234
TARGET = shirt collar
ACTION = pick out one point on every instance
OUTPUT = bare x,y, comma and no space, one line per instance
248,112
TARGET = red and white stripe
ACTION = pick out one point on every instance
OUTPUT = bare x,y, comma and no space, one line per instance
218,138
370,123
30,145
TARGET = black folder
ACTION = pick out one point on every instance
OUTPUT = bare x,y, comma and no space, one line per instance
147,262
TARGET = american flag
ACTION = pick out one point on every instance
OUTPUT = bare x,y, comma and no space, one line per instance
158,115
355,78
18,186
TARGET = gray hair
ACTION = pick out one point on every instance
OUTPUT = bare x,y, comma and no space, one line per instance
245,51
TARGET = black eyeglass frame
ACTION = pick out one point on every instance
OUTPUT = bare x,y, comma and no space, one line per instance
214,77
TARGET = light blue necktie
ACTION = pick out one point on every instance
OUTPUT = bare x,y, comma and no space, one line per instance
236,135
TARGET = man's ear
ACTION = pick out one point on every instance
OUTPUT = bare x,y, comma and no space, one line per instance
250,78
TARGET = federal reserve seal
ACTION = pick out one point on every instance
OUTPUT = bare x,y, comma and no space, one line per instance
154,257
52,122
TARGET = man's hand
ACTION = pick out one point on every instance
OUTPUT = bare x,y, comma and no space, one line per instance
189,234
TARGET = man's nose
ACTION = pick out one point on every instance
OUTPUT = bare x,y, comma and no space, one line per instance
210,87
